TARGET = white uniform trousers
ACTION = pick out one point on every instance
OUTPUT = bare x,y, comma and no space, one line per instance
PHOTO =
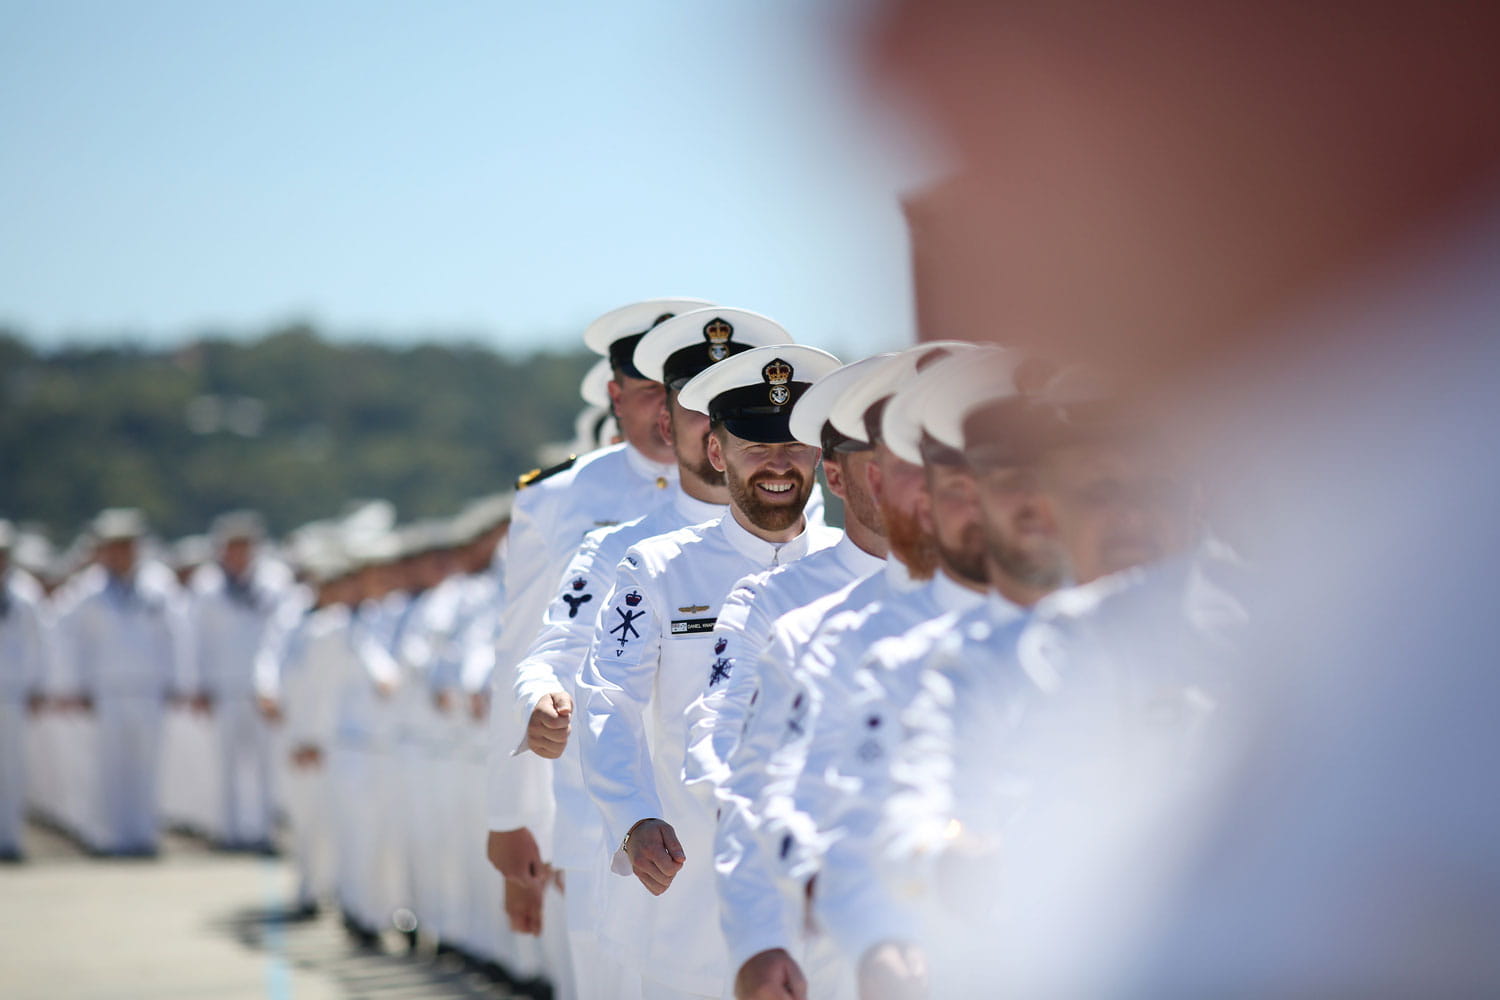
243,749
367,877
189,776
12,774
659,991
557,959
829,974
597,974
129,762
310,814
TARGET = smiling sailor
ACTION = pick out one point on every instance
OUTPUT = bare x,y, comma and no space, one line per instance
653,637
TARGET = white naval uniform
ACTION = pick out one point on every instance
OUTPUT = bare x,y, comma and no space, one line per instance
367,877
758,909
1101,687
552,665
232,618
482,929
450,840
548,522
650,652
426,733
749,906
410,810
127,641
853,902
313,658
796,804
24,665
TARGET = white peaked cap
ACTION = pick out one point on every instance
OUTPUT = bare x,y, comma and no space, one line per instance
736,329
238,524
848,413
753,393
368,517
587,429
190,550
813,409
371,548
636,318
480,515
983,381
117,523
902,422
595,385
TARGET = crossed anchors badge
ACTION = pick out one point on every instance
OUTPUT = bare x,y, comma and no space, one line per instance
626,627
722,664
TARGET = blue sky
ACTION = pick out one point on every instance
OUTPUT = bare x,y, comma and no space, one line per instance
504,171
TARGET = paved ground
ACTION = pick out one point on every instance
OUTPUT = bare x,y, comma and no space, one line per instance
190,924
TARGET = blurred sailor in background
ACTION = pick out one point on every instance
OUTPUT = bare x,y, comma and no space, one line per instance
25,653
233,601
126,637
298,683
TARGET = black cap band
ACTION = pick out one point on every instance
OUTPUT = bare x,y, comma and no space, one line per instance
1006,432
872,416
934,452
831,439
747,414
622,355
622,351
682,364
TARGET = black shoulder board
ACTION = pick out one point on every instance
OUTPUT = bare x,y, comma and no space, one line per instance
537,475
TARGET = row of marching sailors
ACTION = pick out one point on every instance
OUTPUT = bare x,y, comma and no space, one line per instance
105,656
377,688
760,749
352,702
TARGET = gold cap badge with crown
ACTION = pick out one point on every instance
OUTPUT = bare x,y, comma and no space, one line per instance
777,374
717,332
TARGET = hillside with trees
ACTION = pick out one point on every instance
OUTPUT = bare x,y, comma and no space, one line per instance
291,424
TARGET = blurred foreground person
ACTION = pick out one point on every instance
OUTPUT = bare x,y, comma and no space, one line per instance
1292,249
1002,721
126,639
234,598
24,666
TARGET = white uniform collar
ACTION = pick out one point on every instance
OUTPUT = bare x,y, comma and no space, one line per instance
754,547
1002,610
695,511
898,577
647,469
952,595
855,560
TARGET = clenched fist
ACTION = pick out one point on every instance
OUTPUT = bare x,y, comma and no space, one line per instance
547,730
655,854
